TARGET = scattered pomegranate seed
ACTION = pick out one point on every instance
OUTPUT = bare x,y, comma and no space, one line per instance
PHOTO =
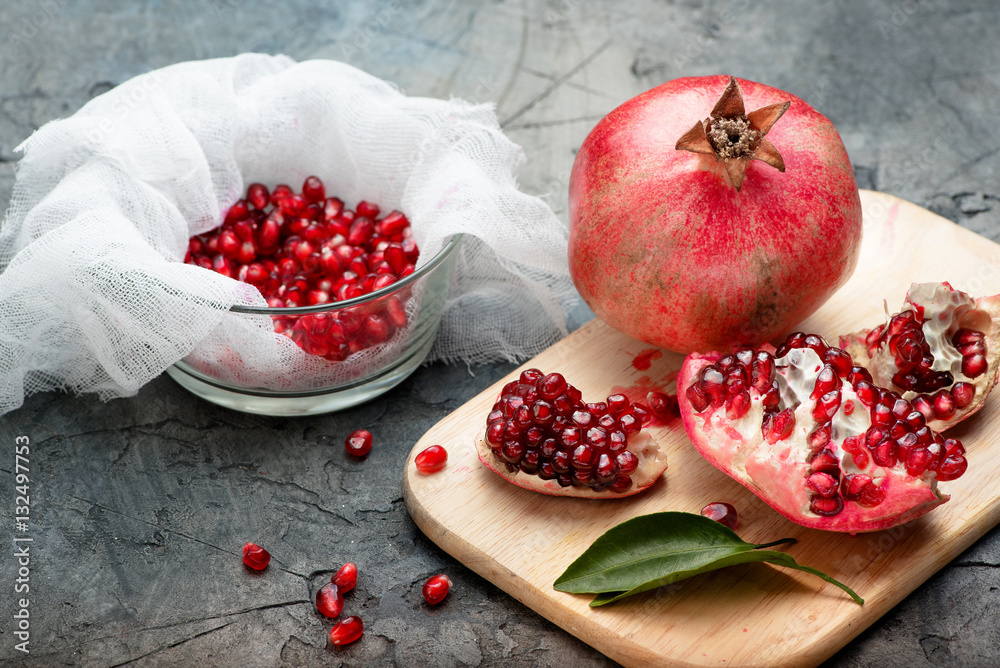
329,600
256,557
346,631
721,512
359,442
346,577
431,459
436,588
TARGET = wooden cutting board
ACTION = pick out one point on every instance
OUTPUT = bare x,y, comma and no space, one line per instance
747,615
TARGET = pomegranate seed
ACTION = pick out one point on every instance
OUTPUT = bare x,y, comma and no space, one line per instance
313,190
823,484
826,506
737,405
974,365
952,467
963,393
627,462
840,360
436,588
778,426
944,405
258,196
329,600
825,461
721,512
431,459
346,631
663,405
293,206
712,384
359,442
854,485
256,557
345,578
237,212
394,223
698,398
367,209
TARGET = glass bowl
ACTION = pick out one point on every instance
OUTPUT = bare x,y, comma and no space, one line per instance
318,359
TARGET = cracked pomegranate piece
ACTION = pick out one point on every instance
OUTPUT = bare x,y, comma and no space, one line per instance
541,436
807,431
939,352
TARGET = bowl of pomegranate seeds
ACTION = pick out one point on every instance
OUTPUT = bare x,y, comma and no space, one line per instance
352,307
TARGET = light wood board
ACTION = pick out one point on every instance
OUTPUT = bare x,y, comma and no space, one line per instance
752,615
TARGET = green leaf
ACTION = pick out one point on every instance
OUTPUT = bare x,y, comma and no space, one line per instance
654,550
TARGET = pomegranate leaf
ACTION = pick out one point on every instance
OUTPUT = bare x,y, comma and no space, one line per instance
654,550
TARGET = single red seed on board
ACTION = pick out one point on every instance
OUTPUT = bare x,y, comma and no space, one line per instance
721,512
346,631
436,588
346,577
359,443
432,459
329,600
256,557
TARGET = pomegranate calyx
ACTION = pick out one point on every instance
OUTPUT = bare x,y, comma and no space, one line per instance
734,136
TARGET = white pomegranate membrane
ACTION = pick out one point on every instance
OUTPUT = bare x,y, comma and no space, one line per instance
542,436
308,249
805,429
938,352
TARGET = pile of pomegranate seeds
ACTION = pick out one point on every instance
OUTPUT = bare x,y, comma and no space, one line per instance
436,588
431,459
541,426
307,249
907,343
256,557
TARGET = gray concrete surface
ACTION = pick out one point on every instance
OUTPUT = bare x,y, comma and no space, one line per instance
141,504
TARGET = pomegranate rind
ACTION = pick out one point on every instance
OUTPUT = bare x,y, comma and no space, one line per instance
939,301
777,476
652,465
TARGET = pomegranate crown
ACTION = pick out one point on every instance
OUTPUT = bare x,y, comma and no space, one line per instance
734,136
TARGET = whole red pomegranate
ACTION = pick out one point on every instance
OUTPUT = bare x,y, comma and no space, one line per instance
706,237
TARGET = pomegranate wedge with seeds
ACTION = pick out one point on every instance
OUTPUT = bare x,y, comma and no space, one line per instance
807,431
541,436
939,352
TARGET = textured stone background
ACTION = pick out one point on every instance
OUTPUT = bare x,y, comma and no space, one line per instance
141,504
